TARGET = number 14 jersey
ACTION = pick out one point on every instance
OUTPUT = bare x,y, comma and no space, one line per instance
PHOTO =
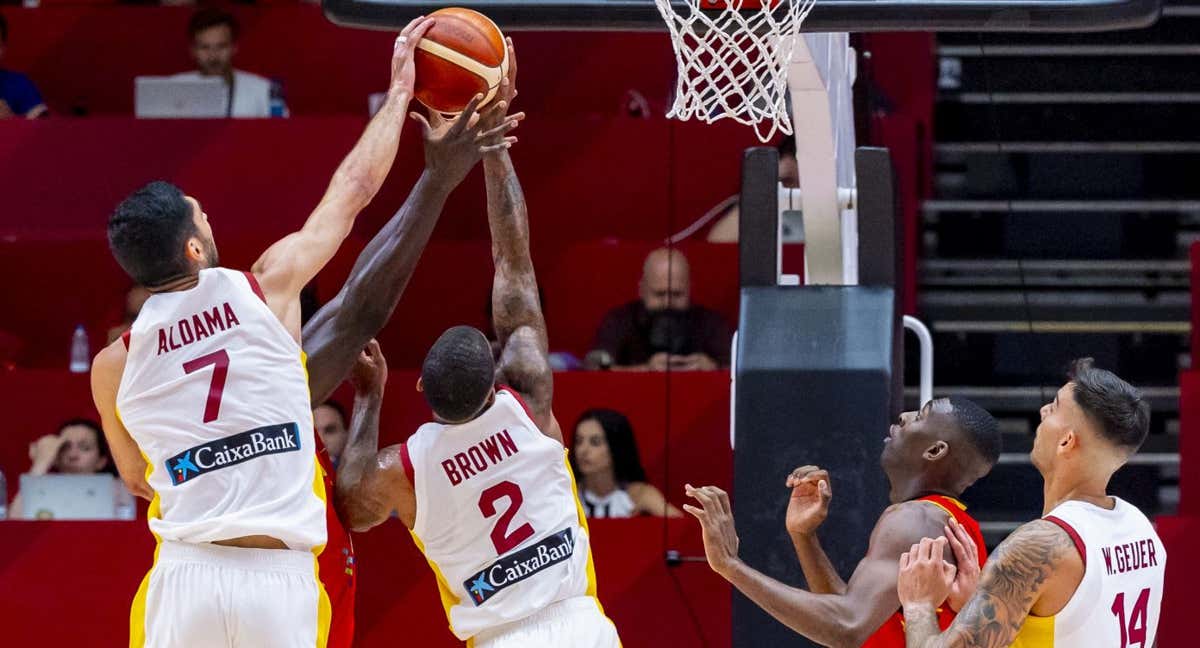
497,517
1118,601
215,394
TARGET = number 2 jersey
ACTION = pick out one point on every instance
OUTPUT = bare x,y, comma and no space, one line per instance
215,393
1118,600
498,517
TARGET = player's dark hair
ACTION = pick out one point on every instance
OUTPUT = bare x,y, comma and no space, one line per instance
147,233
458,374
1117,407
980,427
110,467
618,433
336,407
210,17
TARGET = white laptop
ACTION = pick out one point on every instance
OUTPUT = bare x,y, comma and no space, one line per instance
167,97
68,497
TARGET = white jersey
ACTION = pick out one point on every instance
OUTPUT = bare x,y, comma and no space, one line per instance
215,393
1117,603
497,517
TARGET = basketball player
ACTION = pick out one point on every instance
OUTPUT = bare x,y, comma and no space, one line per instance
337,333
930,458
485,488
205,406
1089,573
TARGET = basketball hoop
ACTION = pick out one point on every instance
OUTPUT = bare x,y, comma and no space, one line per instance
732,59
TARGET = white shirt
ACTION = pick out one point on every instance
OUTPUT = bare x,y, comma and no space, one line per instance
498,518
251,93
215,394
616,504
1118,601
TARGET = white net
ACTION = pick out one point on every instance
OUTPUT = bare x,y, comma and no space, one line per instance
733,60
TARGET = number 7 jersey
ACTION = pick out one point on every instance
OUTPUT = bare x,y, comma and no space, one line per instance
497,517
215,393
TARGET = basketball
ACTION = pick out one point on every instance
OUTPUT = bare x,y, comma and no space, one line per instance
462,55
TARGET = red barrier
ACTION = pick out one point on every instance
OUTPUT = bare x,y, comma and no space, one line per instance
49,576
581,282
84,59
681,420
1178,624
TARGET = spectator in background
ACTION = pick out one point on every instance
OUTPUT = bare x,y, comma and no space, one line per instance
330,420
133,305
18,96
608,469
214,35
726,229
78,448
663,329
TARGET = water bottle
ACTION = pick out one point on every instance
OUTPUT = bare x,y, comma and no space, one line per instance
81,355
278,108
3,497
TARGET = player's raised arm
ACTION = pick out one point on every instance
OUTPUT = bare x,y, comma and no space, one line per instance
336,334
293,261
371,483
845,619
1036,559
516,311
106,379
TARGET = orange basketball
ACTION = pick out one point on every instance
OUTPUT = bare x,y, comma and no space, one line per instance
462,55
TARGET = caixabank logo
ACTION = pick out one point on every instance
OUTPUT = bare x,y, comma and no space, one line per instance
519,565
233,450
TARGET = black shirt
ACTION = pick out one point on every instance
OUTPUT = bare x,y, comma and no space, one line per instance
632,334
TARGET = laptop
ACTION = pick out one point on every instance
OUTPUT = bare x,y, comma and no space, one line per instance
167,97
68,497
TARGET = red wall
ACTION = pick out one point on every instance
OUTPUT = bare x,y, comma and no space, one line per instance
58,591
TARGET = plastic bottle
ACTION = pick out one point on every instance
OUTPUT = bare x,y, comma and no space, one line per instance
278,107
81,355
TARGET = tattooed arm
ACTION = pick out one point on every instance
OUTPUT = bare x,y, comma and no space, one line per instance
516,310
1035,570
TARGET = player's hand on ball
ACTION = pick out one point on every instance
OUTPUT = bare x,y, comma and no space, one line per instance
452,145
716,522
404,71
369,375
925,577
809,504
966,554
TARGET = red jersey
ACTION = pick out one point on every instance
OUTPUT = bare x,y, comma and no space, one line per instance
335,565
891,633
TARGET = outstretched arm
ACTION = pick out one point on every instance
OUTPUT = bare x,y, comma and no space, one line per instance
516,310
807,509
371,483
846,619
337,332
293,261
1036,559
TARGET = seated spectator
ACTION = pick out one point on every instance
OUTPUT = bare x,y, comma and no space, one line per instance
78,448
726,229
134,299
608,469
214,35
18,96
330,420
664,329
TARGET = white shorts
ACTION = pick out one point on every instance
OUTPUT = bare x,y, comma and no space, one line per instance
209,596
575,622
